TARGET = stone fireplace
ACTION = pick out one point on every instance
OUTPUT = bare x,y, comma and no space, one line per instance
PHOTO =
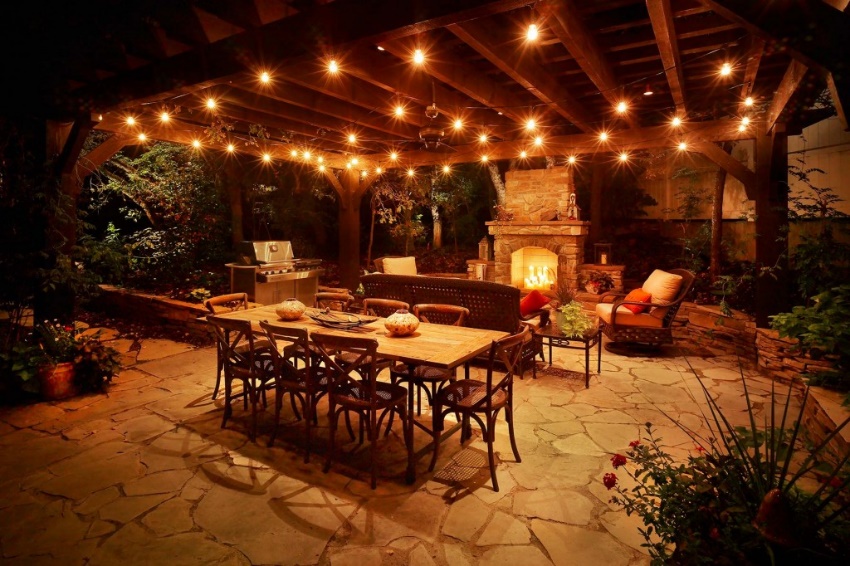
535,243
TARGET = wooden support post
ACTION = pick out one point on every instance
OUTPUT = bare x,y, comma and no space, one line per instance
233,174
772,293
597,184
350,188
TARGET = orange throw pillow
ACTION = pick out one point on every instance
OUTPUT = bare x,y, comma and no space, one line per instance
637,296
533,301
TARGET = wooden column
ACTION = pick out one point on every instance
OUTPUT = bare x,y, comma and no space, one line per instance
350,188
772,293
233,175
597,186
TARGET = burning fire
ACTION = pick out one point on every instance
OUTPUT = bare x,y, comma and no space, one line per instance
539,278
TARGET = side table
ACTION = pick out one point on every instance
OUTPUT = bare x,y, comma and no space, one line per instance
553,335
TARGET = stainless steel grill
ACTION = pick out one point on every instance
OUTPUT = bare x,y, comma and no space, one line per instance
269,273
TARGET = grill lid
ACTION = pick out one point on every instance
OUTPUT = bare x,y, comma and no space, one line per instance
265,251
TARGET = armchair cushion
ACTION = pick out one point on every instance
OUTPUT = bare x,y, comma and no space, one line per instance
664,287
532,302
637,296
626,317
400,265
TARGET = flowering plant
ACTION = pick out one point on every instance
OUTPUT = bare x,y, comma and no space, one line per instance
745,495
598,281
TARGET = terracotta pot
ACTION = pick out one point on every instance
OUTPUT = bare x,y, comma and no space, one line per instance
57,382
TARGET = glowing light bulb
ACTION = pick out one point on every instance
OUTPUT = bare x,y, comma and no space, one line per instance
293,153
363,174
265,77
393,156
321,168
196,144
624,156
676,121
142,137
378,170
725,70
352,138
538,141
482,138
745,121
458,124
683,146
622,107
380,48
165,117
446,169
603,136
320,159
530,125
418,57
571,159
267,157
210,103
411,172
484,159
333,67
523,154
741,128
399,111
533,33
354,161
131,121
231,148
348,165
748,101
307,156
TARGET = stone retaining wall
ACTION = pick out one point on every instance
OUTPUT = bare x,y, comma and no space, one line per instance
154,310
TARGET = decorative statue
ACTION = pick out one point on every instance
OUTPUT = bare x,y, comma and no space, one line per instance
573,210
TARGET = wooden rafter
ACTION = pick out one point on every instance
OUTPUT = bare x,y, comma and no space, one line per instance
524,69
89,163
754,56
790,81
661,16
573,33
840,98
729,164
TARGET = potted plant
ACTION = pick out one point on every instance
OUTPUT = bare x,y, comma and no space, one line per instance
597,282
572,320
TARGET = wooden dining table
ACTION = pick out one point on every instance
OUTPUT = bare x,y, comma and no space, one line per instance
436,345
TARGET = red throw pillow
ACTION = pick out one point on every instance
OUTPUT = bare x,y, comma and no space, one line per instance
533,301
637,296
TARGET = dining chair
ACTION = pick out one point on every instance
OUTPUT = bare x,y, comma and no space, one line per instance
245,359
369,398
333,301
307,384
482,401
376,307
221,304
429,378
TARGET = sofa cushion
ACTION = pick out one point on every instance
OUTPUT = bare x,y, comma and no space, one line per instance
534,301
664,287
400,265
627,317
637,296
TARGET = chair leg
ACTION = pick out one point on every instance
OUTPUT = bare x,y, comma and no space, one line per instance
334,418
489,435
278,403
436,428
227,408
509,416
255,400
308,411
218,371
373,444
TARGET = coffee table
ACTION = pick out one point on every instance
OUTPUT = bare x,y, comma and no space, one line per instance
555,338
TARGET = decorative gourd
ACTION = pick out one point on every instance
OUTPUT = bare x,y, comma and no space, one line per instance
401,323
290,309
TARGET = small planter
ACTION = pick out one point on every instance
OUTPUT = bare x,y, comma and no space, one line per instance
57,381
591,288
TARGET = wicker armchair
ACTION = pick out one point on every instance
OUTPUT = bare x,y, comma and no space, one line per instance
653,327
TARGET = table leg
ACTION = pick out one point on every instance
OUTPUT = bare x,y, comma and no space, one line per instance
586,365
411,467
550,351
599,354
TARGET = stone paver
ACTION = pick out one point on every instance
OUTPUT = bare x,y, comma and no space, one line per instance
146,475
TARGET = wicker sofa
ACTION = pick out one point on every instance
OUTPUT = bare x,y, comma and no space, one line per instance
491,305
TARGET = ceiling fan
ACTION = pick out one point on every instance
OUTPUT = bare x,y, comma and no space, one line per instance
432,135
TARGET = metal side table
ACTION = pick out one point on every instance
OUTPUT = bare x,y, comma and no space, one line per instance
553,335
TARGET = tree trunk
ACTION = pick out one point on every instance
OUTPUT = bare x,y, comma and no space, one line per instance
349,241
496,178
717,218
371,233
437,241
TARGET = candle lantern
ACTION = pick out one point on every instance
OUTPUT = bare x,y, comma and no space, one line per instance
603,253
484,248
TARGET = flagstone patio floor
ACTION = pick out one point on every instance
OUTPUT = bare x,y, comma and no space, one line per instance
144,474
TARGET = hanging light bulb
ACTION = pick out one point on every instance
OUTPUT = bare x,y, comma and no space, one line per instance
603,136
682,146
624,156
622,107
399,111
532,33
321,168
142,137
352,138
648,90
484,159
418,57
320,159
333,67
165,117
745,121
571,160
411,172
196,144
211,103
538,141
265,77
531,125
378,170
725,69
482,138
307,156
393,156
267,158
676,121
354,161
447,169
131,121
458,124
748,101
363,174
523,154
231,148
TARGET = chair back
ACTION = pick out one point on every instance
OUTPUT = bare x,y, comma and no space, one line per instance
451,315
685,288
383,307
235,344
227,303
359,369
282,336
504,353
333,301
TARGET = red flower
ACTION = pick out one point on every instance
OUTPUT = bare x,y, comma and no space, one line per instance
714,533
634,443
699,448
68,328
609,480
618,460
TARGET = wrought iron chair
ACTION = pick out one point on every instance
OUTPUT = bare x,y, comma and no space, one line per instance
245,360
217,305
430,379
482,401
307,384
370,399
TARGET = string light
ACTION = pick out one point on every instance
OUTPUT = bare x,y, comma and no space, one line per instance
352,138
164,117
523,154
533,33
231,148
196,144
622,107
745,121
571,160
266,157
624,156
142,137
683,146
603,136
399,111
676,121
320,159
748,101
380,48
418,57
393,156
538,141
530,125
458,124
411,172
725,70
333,68
293,153
354,161
210,103
447,169
131,121
484,159
265,77
307,156
648,90
363,174
378,170
348,165
482,138
321,168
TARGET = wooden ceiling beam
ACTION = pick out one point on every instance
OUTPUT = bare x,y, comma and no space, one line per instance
90,162
242,14
754,56
299,37
565,23
623,140
522,67
729,164
840,94
661,16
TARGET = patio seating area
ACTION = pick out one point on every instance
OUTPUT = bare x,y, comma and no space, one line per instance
146,473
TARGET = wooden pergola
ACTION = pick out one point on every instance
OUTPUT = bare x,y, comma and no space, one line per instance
362,85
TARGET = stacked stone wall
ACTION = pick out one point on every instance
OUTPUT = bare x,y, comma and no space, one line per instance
154,310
